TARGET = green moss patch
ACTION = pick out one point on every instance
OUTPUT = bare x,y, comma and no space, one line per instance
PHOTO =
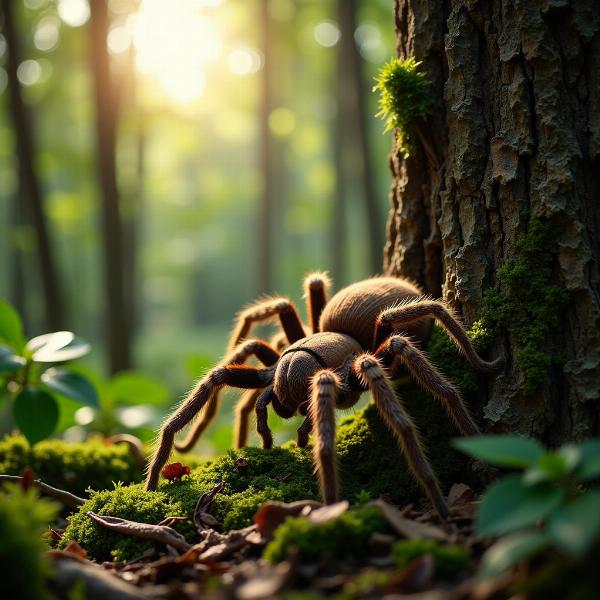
370,460
449,560
403,96
72,467
528,302
279,474
346,536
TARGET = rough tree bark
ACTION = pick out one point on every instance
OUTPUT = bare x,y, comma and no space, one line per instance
117,323
515,127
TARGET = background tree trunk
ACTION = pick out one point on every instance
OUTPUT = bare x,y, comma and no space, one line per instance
117,322
267,205
29,186
515,125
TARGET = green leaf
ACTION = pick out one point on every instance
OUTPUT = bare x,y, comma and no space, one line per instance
59,346
509,504
502,450
11,327
71,384
511,550
9,361
129,387
589,467
576,526
36,413
553,466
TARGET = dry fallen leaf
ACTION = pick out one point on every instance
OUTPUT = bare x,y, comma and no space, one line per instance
272,514
408,528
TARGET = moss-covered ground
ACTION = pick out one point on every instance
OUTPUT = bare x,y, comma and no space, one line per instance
370,466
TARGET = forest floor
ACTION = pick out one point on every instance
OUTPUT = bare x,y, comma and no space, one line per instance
229,565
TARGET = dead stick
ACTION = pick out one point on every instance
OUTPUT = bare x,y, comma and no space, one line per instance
155,533
66,498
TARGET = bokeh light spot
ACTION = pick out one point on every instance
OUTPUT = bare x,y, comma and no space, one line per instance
46,35
282,122
74,13
327,33
29,72
245,61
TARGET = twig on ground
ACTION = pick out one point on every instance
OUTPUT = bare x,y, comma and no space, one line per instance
66,498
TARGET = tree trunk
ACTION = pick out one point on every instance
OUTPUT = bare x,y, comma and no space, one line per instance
264,229
117,323
354,114
29,185
515,134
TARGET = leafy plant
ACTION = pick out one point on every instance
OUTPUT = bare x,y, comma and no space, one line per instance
29,374
543,506
403,96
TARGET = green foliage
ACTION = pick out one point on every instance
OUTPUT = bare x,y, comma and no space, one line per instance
346,536
541,507
73,467
449,560
24,518
403,96
527,303
26,371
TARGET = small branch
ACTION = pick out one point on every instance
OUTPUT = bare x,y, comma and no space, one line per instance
135,445
154,533
66,498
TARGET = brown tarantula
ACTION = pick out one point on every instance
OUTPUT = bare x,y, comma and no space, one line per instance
368,334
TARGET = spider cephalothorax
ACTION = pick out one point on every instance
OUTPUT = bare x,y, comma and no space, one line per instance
367,335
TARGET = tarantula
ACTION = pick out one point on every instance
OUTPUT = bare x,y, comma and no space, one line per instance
367,335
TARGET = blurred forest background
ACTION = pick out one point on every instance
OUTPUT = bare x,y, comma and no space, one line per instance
165,162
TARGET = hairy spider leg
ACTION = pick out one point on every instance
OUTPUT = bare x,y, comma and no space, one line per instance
368,369
261,350
264,310
392,318
243,409
324,388
303,432
401,349
234,376
262,425
316,286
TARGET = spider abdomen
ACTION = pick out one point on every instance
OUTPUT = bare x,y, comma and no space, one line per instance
354,309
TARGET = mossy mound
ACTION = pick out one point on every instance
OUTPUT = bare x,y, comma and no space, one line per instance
23,520
72,467
346,536
370,460
279,474
370,465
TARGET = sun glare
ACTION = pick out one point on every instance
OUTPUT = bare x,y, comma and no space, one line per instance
174,45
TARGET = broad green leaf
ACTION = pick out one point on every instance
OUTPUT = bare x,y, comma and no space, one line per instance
36,413
589,467
59,346
70,384
576,526
509,504
9,361
553,466
129,387
502,450
11,328
511,550
197,365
